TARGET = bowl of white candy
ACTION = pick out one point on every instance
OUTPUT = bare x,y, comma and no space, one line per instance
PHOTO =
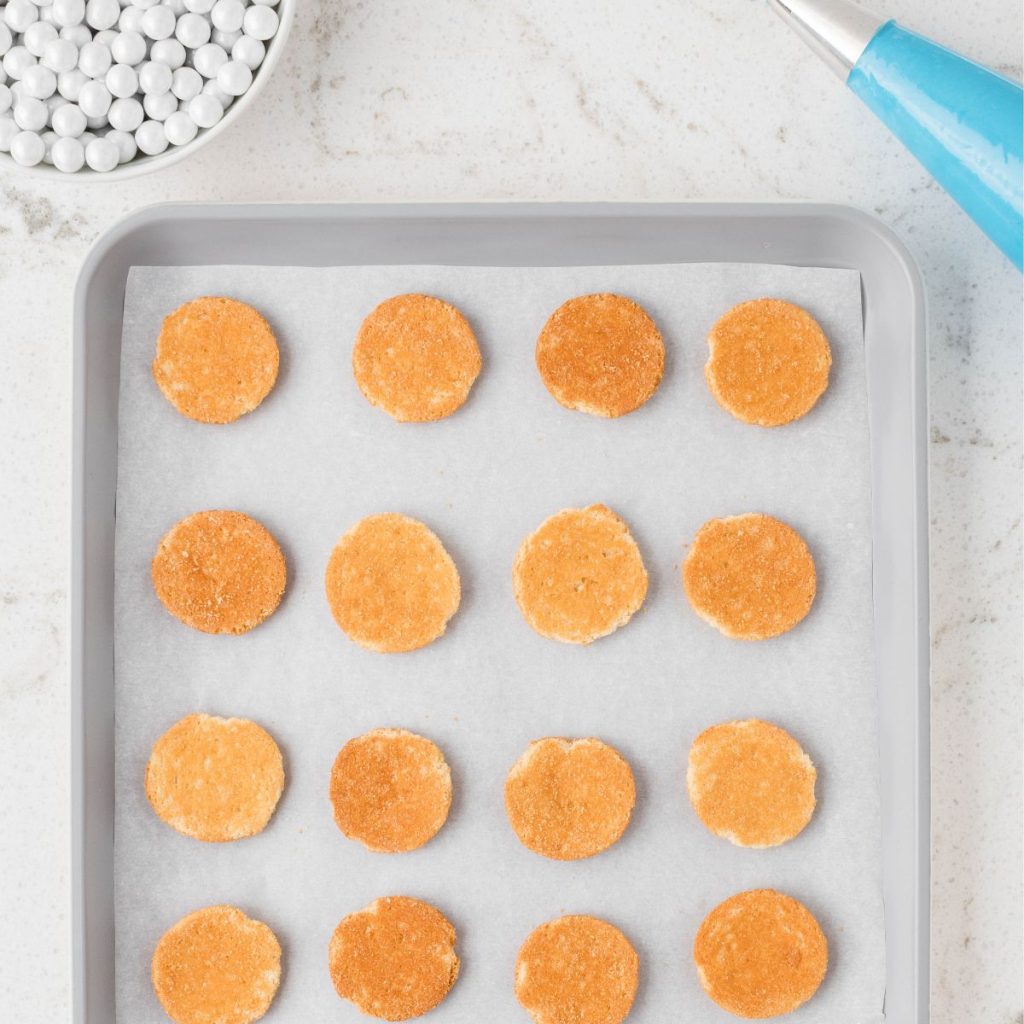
108,89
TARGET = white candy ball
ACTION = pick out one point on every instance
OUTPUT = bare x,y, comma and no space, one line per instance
46,14
129,48
68,121
227,15
155,78
199,6
17,90
6,99
205,110
39,82
69,84
27,148
60,55
169,52
151,138
8,129
159,106
102,14
94,99
159,22
101,155
106,36
225,99
53,102
226,40
68,12
85,138
125,114
68,155
49,140
208,59
249,51
6,39
234,77
19,14
17,60
77,34
122,81
180,128
125,142
131,19
186,83
177,6
94,59
192,30
260,22
30,114
36,37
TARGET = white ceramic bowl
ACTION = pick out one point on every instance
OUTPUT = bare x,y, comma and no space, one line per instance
144,164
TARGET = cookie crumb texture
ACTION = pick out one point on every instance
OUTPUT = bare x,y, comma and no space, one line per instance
215,779
217,966
395,959
601,354
416,357
391,585
570,799
760,954
768,362
216,359
577,970
391,790
750,576
579,576
751,783
219,572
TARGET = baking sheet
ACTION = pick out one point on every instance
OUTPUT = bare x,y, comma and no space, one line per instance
316,457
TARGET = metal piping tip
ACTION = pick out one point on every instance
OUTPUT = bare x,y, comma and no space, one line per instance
837,30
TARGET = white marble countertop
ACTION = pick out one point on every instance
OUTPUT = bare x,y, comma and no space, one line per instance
532,100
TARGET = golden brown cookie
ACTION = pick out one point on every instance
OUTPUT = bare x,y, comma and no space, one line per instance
395,959
569,799
416,357
215,779
219,572
391,585
601,354
577,970
751,783
216,359
391,790
760,954
749,576
768,362
579,576
216,966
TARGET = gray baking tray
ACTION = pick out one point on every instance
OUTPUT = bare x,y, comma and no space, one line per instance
520,235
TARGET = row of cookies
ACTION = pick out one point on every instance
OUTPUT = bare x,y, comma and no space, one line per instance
220,779
760,953
392,587
416,357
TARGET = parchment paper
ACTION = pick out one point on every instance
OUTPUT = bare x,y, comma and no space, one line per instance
316,457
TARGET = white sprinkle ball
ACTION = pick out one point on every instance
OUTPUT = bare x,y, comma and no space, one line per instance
102,14
227,15
69,84
125,115
67,13
39,81
208,59
186,83
30,114
177,6
27,148
155,78
131,19
94,99
199,6
159,106
6,39
77,34
94,59
85,138
5,99
68,155
129,48
106,36
260,22
125,142
122,81
151,138
37,35
49,140
68,121
19,14
249,51
60,55
159,22
234,77
169,52
205,110
225,40
193,30
8,129
180,128
101,155
17,60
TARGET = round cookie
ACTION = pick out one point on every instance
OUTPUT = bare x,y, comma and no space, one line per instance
391,585
219,572
395,959
601,354
768,362
569,799
391,790
760,954
216,966
751,783
216,359
215,779
577,970
579,576
416,358
750,576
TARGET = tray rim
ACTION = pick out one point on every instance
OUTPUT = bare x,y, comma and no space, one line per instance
124,232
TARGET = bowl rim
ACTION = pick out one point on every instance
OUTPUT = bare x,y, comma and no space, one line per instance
138,166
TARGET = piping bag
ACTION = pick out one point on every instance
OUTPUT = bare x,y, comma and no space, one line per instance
963,121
